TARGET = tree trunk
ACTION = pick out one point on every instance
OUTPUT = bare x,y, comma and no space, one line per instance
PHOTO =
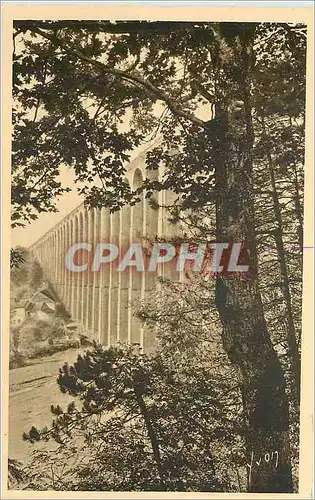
291,334
151,434
298,209
245,335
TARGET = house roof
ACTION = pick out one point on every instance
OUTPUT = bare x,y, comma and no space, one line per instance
22,304
36,301
42,295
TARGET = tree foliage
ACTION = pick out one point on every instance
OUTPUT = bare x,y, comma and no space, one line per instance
85,97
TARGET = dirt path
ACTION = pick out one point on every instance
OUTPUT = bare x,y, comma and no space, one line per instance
33,390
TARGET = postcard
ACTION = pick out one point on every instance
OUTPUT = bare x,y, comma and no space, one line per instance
157,251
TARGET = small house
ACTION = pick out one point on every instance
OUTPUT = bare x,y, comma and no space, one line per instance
40,306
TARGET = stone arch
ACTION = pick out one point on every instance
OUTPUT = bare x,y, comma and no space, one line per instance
90,274
170,231
104,276
114,297
71,275
46,257
55,257
51,255
85,239
58,277
76,278
96,275
81,276
152,223
136,277
62,259
124,277
67,239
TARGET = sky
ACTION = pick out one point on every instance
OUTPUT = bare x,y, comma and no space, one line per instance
32,232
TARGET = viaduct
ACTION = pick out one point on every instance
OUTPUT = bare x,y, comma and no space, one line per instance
104,302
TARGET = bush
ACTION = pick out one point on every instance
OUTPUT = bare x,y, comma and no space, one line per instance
17,360
20,293
15,338
39,338
35,275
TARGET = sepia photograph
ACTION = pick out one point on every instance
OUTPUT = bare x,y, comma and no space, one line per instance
157,252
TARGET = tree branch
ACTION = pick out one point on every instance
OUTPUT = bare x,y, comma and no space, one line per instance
119,27
124,75
151,434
